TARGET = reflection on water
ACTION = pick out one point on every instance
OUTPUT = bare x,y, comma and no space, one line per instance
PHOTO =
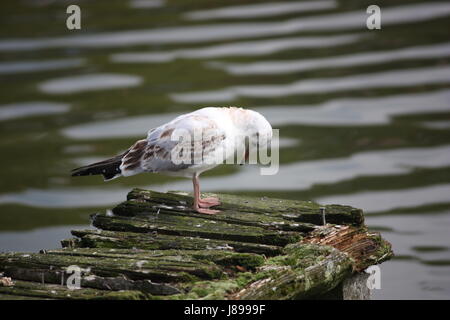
437,124
74,84
410,279
426,274
242,48
29,109
292,66
67,198
36,240
296,176
36,66
215,32
335,112
393,199
433,245
399,78
363,115
303,175
260,10
146,4
127,127
358,110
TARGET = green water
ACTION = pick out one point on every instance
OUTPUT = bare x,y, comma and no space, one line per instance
364,115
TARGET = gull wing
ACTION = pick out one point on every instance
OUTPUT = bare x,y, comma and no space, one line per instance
186,142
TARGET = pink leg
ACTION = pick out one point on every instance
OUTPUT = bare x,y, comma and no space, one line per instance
201,206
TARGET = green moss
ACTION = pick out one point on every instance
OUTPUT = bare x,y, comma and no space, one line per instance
130,240
195,227
50,291
301,255
196,255
211,290
248,261
265,212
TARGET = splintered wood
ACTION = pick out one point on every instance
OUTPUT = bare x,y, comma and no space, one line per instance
360,246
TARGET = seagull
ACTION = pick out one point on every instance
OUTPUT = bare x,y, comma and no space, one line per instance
209,137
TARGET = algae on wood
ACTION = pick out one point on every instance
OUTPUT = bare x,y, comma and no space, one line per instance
130,240
156,247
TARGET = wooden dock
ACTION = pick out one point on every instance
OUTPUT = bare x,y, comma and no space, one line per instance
154,246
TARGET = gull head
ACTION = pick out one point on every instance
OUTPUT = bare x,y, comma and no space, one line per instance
252,125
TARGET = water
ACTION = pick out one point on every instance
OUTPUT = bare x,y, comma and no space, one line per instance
364,116
392,79
260,10
91,82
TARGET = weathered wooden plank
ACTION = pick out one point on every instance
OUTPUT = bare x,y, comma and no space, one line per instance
19,297
52,291
51,269
156,247
195,227
237,207
138,207
162,270
218,257
88,280
129,240
304,271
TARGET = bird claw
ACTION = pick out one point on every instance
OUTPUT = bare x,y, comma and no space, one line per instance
207,211
208,202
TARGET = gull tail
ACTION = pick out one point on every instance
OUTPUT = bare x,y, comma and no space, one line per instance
109,168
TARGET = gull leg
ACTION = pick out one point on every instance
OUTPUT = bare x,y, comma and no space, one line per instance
201,206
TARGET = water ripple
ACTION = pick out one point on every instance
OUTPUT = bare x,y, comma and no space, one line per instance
243,48
217,32
293,66
147,4
88,82
386,79
296,176
12,67
439,125
260,10
379,201
29,109
359,111
345,111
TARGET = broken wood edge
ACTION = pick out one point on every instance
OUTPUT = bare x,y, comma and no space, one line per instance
364,247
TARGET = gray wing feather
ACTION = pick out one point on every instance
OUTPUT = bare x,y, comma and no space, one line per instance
162,145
